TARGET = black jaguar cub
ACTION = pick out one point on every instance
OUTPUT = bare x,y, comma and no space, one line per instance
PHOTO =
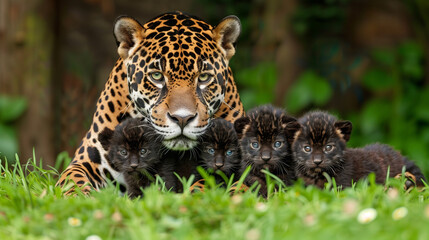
134,152
178,163
265,135
320,147
220,149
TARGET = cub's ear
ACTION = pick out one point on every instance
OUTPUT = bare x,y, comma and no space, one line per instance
226,33
291,129
240,125
127,32
104,138
344,128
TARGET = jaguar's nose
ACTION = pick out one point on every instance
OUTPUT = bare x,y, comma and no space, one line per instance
182,120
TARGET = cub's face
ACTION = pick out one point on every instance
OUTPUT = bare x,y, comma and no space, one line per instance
265,135
133,147
177,69
320,144
220,149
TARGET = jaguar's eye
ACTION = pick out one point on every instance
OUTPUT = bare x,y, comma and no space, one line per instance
228,153
254,145
211,151
307,149
123,152
329,148
278,144
143,152
204,77
156,76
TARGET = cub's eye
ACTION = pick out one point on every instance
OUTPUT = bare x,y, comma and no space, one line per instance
204,77
228,153
307,149
123,152
156,76
329,148
143,152
211,151
254,145
278,144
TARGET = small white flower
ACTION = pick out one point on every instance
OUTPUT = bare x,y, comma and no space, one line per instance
392,193
309,220
49,217
350,207
261,207
98,214
367,215
74,222
236,199
117,216
253,234
399,213
93,237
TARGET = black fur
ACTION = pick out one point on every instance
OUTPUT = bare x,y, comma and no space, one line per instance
183,163
320,146
134,151
259,132
220,149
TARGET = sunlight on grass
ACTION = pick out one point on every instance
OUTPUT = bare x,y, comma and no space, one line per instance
32,207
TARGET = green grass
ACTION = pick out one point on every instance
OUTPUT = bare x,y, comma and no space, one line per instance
31,207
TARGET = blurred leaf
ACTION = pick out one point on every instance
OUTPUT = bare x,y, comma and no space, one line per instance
248,98
310,88
321,91
261,75
374,115
377,79
8,143
384,56
411,60
298,98
11,108
258,84
425,135
422,109
415,149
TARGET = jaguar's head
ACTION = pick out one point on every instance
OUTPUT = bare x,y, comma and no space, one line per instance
177,69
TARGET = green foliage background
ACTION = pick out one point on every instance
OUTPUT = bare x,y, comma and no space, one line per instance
11,108
392,94
392,109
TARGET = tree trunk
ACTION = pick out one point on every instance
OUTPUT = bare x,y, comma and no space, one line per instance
277,42
25,70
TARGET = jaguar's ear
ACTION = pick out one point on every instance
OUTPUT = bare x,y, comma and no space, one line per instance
127,32
226,33
291,129
344,128
240,124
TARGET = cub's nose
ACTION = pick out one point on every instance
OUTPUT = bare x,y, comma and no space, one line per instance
134,166
317,160
266,156
218,165
182,119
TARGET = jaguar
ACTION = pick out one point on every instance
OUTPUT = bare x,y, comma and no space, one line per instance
174,73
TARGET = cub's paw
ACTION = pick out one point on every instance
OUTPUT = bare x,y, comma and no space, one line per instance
410,180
